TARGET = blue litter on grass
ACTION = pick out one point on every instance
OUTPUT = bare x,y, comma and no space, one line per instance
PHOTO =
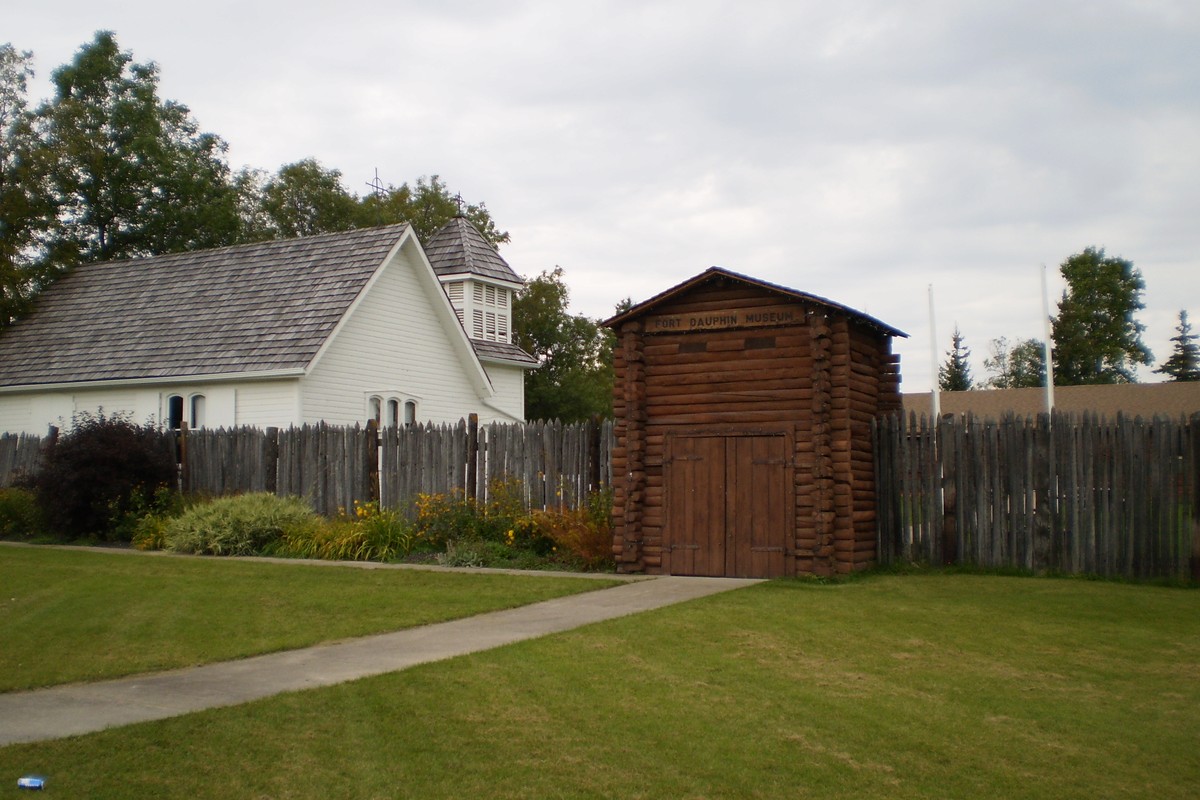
31,782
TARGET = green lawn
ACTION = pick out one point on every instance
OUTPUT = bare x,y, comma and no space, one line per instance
929,686
69,615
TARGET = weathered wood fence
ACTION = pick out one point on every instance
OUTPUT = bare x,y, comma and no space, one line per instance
326,464
1063,493
20,454
556,463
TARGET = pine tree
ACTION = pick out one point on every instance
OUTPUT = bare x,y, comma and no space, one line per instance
955,374
1184,363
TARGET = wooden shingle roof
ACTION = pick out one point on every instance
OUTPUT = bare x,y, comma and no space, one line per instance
503,351
458,247
247,309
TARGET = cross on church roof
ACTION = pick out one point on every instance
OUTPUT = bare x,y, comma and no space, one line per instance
376,184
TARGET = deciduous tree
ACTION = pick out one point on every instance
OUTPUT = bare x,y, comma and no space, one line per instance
130,174
1017,365
427,206
24,202
575,379
106,170
304,199
1096,337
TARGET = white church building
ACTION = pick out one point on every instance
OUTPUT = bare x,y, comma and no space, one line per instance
339,328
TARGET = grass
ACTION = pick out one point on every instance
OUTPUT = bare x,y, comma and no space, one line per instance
69,615
920,686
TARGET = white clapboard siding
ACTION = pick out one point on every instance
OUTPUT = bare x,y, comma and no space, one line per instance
265,404
397,342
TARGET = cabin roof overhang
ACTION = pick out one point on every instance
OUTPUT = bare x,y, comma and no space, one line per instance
714,274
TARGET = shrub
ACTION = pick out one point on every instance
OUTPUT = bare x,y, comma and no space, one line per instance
248,524
502,555
491,554
20,515
501,533
442,518
584,533
463,553
99,471
150,532
373,534
144,523
528,534
385,534
504,510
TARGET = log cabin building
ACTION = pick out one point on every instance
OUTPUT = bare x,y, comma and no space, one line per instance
743,422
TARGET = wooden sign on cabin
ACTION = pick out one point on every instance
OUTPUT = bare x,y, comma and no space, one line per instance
743,421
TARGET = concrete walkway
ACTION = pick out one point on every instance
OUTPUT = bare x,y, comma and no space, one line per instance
86,707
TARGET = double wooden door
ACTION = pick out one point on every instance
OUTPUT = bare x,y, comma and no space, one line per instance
728,503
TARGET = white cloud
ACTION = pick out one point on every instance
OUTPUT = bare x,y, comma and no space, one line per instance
859,151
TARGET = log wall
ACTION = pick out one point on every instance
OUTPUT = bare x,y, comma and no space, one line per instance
730,356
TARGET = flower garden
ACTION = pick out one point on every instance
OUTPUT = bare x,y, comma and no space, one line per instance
108,480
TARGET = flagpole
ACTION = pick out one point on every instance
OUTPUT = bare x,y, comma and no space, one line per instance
933,359
1046,344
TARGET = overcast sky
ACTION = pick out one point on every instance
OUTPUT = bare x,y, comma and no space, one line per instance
859,151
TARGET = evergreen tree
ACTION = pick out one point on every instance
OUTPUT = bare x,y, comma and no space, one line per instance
1184,363
955,374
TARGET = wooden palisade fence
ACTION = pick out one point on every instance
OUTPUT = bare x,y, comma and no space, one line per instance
556,464
20,453
334,467
1070,494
